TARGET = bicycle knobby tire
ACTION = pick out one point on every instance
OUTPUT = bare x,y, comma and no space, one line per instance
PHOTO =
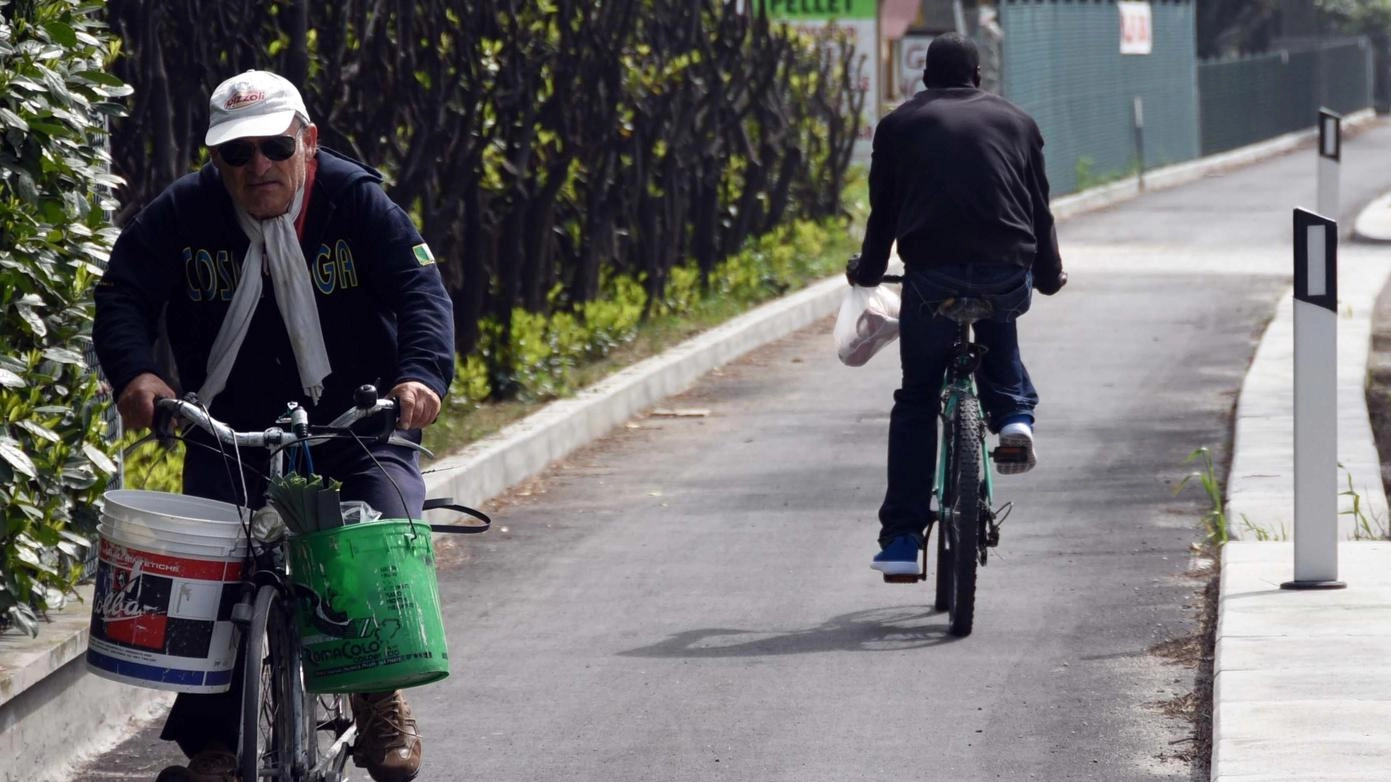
963,476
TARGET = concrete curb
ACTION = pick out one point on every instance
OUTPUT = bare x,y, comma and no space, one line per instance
1373,224
474,475
1189,171
53,713
1293,697
525,448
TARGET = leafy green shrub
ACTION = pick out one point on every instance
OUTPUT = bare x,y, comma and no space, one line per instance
150,467
613,319
470,387
682,292
55,459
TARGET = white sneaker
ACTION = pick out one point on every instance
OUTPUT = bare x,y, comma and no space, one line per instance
1015,452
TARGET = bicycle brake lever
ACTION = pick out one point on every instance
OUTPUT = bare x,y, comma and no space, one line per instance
395,439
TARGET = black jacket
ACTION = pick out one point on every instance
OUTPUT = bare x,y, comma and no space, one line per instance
385,315
957,177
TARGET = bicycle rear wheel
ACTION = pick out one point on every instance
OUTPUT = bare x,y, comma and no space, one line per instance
963,530
273,735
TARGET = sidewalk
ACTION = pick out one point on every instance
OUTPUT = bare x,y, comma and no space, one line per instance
1299,691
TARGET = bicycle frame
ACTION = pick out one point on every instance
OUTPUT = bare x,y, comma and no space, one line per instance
958,384
296,753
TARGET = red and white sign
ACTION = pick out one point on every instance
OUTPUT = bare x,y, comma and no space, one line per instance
1137,29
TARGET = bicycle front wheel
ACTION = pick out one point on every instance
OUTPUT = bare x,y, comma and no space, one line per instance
332,730
272,733
962,533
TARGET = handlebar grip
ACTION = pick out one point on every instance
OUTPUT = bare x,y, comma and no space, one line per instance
162,426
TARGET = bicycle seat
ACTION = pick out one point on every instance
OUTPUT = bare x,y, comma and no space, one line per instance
965,310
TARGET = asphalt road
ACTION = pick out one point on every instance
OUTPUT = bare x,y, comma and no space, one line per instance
690,598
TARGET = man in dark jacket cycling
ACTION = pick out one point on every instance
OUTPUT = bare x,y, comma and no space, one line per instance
957,179
285,274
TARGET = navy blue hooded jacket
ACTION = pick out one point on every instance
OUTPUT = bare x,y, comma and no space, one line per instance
385,315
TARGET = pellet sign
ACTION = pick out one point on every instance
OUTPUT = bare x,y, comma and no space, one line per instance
821,9
860,18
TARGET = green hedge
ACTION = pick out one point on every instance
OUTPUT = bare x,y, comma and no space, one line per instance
55,458
555,349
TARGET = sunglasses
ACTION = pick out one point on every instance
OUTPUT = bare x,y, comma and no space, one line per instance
277,148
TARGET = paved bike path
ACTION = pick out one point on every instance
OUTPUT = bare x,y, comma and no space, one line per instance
689,599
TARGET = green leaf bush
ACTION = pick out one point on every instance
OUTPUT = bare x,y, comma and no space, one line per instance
550,348
55,450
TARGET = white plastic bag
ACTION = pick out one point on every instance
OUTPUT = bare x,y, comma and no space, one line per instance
867,322
357,511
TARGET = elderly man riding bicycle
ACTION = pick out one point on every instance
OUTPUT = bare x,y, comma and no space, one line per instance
354,298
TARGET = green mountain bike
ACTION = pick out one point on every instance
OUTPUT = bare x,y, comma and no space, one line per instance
968,523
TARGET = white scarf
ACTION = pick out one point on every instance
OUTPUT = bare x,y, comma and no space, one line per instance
275,241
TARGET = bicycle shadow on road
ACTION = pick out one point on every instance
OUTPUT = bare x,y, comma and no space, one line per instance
874,630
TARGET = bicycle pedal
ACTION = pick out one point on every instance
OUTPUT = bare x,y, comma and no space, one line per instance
902,579
1010,454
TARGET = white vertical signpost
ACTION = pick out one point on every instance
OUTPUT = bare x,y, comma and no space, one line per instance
1139,115
1330,156
1315,403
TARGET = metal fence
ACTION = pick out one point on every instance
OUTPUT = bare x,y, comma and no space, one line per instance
1248,99
1063,65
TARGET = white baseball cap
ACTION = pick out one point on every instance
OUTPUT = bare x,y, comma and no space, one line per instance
254,103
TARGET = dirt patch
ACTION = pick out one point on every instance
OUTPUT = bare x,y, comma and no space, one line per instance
1195,651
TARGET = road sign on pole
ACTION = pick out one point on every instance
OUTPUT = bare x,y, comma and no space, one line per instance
1315,403
1330,157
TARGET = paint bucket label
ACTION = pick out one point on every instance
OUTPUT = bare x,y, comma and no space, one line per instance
163,620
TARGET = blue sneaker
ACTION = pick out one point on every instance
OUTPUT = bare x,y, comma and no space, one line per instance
899,558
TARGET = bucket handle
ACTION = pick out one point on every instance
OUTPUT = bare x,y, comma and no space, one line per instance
448,503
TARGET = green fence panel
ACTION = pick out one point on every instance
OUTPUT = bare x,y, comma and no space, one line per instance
1249,99
1062,64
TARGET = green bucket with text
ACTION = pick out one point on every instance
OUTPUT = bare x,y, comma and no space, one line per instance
367,607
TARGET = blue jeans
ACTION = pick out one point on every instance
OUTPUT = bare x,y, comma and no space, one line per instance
925,342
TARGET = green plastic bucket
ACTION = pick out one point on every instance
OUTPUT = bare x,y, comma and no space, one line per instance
367,606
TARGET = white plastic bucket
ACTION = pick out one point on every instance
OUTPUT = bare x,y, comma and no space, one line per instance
193,539
166,583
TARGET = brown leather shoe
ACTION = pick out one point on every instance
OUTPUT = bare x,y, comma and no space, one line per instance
388,744
206,766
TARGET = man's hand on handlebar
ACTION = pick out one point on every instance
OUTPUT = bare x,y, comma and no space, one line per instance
1050,287
137,402
419,405
852,273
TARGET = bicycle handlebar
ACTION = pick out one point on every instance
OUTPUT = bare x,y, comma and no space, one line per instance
299,428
